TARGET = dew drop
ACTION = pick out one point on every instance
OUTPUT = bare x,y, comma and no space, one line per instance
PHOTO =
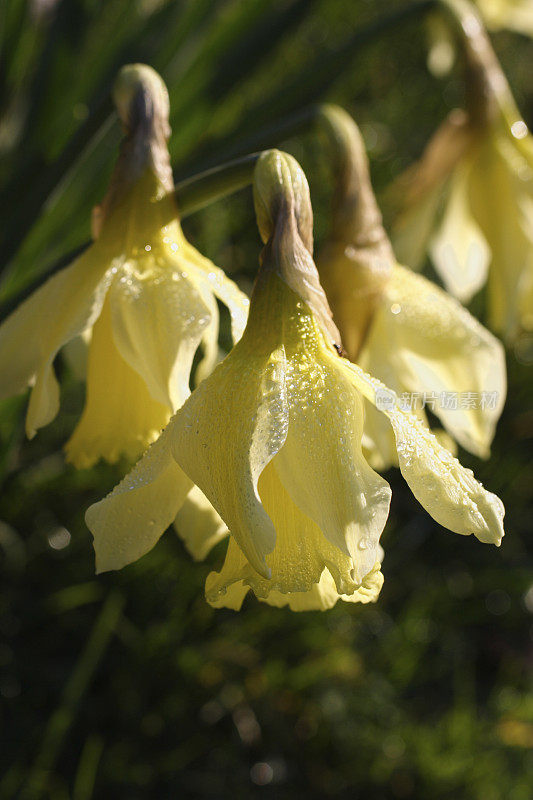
519,129
350,252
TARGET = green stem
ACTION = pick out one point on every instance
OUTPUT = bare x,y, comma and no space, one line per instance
75,688
87,768
487,91
201,190
204,188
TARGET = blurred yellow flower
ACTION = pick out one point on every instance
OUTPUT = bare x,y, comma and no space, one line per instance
145,293
273,439
515,15
399,326
469,200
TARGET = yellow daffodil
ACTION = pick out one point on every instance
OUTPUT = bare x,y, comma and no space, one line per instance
146,295
469,200
516,15
273,439
399,326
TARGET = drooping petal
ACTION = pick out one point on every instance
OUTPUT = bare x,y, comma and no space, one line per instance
420,192
459,249
298,561
199,525
413,228
158,319
120,416
447,490
31,337
513,14
324,594
128,522
76,354
502,202
321,463
210,282
381,358
379,444
321,597
223,287
425,343
211,350
244,400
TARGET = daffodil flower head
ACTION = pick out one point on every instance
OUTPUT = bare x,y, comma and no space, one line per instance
273,440
516,15
399,326
141,292
469,200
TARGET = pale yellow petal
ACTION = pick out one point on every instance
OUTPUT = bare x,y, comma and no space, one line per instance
227,432
425,343
379,445
513,14
128,522
31,337
525,306
321,464
321,597
413,228
502,202
445,440
210,348
199,525
448,491
459,249
76,354
120,417
382,357
158,319
324,594
421,191
223,287
44,400
297,562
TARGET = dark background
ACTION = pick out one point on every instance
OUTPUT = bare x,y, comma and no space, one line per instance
128,685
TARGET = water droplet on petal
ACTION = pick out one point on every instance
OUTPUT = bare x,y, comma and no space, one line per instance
519,129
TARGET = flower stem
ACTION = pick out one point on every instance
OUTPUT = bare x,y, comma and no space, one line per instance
201,190
74,690
487,91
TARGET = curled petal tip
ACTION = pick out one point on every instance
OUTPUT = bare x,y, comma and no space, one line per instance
140,93
280,186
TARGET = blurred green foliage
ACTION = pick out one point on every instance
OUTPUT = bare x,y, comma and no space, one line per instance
128,685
